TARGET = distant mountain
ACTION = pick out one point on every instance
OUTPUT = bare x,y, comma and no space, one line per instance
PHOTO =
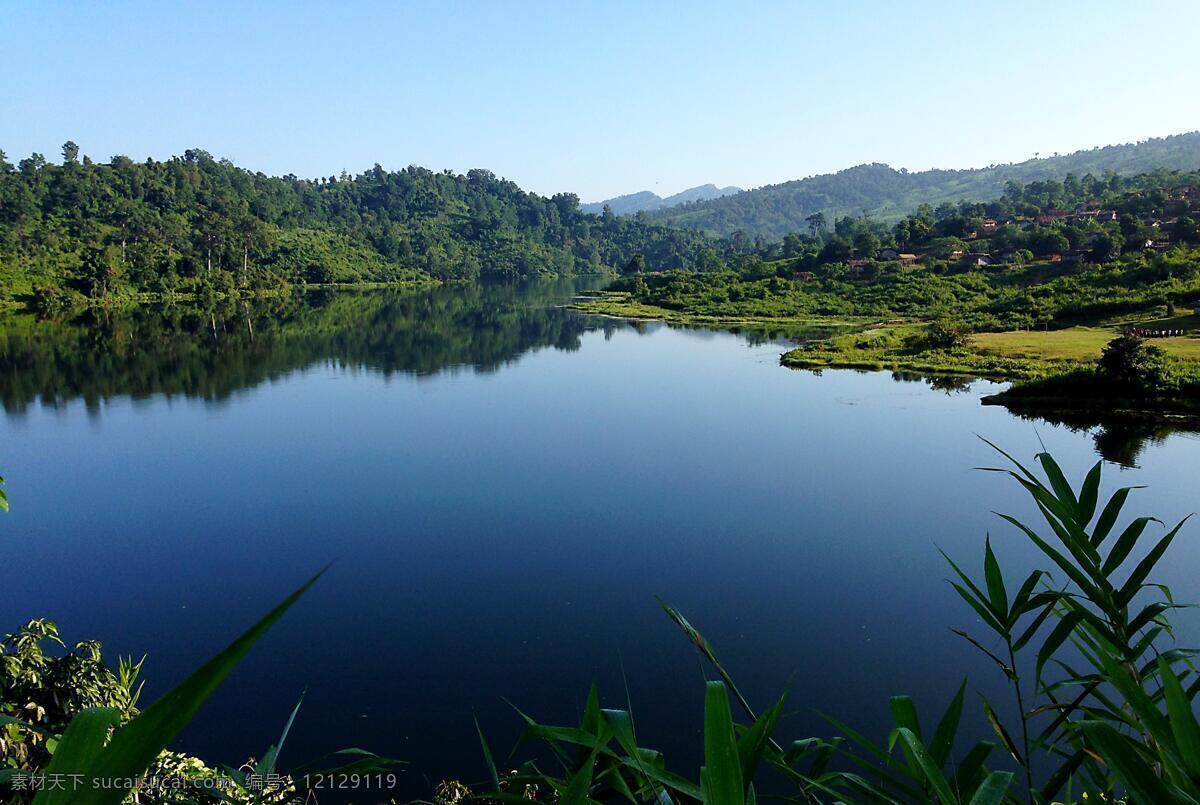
775,210
648,201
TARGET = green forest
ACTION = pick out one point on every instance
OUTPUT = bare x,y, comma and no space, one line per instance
775,210
197,225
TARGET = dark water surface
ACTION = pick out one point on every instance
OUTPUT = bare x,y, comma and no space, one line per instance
504,487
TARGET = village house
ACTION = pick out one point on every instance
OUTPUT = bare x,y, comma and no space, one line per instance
976,260
990,225
904,258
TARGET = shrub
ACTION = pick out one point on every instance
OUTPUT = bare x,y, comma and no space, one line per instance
1131,364
942,335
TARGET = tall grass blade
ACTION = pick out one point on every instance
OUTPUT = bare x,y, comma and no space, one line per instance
77,751
135,746
994,788
721,777
929,769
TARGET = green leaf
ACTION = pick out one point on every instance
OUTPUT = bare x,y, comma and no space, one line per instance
1125,543
135,746
576,792
947,728
592,720
1134,583
1033,627
981,608
1005,739
1058,481
1108,517
930,770
1089,589
995,579
1058,636
755,739
266,766
904,714
1021,603
1060,776
1119,754
77,751
721,777
1183,720
1088,495
993,789
971,765
493,777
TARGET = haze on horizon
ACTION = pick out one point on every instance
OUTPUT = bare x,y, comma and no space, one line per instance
599,100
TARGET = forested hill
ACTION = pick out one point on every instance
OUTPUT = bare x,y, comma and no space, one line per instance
775,210
195,224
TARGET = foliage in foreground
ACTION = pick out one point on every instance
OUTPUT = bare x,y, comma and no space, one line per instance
70,730
1105,702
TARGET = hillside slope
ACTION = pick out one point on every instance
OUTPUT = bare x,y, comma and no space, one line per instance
774,210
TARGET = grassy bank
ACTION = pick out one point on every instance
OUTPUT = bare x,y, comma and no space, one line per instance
908,345
622,305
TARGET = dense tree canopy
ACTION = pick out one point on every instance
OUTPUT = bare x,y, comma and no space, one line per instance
194,220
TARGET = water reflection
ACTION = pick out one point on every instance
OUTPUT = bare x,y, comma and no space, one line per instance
213,352
1121,440
1119,437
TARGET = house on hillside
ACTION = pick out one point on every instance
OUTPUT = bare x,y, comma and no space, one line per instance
976,260
990,225
1050,216
1083,216
892,255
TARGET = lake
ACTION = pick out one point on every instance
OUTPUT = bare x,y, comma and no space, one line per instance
503,487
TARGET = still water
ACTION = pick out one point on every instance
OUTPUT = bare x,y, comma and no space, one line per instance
503,487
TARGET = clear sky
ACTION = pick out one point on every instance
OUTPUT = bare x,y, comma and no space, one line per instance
599,98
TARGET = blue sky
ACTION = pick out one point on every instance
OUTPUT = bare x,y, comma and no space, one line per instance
599,98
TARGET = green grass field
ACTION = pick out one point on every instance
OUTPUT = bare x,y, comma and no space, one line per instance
1075,343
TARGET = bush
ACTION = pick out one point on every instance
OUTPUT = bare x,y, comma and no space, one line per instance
1129,363
50,301
942,335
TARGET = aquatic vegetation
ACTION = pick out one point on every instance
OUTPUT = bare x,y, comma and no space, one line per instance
1104,699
